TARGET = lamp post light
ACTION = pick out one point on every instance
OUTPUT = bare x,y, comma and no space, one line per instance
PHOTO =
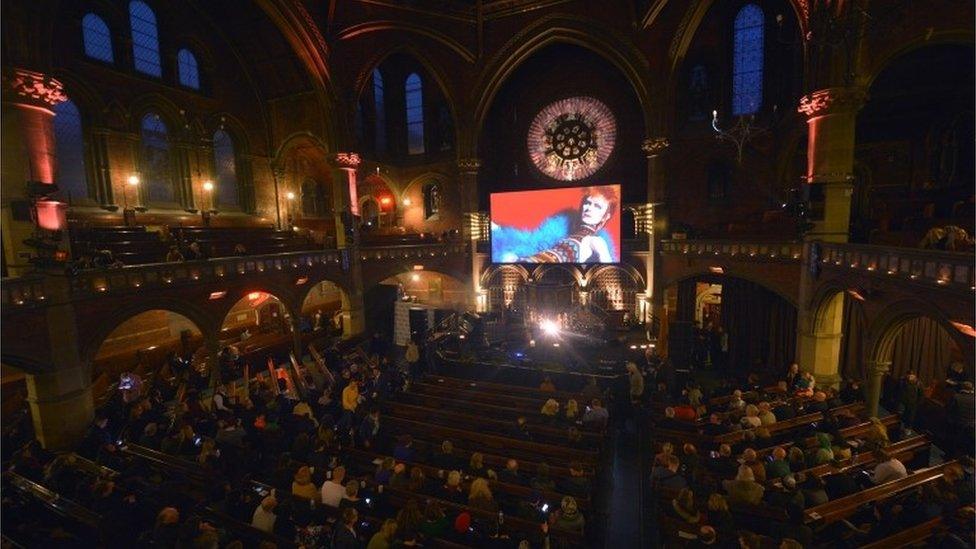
129,215
205,212
291,208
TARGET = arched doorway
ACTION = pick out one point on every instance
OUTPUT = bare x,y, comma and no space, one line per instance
322,309
143,344
259,324
505,288
723,321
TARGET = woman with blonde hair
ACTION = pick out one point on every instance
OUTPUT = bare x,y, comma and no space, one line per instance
451,490
683,507
384,538
751,419
572,411
877,434
476,465
302,485
479,496
550,409
661,458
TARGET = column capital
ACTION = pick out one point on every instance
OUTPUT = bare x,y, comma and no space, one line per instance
345,160
654,146
32,88
878,367
832,101
469,165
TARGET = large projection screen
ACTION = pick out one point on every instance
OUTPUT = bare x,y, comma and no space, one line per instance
571,225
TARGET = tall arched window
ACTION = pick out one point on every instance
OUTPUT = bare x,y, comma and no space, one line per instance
225,169
156,165
70,147
145,39
380,108
415,114
98,39
186,62
747,60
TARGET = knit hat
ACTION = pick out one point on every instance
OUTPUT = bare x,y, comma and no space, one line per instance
569,506
462,523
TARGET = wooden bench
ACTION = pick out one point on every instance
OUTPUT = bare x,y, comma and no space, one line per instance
519,449
506,389
515,490
844,507
550,435
526,404
909,537
487,410
906,451
853,431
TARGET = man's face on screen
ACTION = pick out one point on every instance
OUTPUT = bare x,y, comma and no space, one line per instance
594,209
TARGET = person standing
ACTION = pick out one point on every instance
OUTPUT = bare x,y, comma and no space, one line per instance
636,383
911,395
413,359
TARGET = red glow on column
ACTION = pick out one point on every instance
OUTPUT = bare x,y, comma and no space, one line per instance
353,195
51,215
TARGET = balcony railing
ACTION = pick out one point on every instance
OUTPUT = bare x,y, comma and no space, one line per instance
945,269
741,251
34,290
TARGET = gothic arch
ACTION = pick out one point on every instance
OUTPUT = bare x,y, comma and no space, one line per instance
878,64
204,321
624,56
487,275
363,76
632,272
727,274
539,272
406,26
885,328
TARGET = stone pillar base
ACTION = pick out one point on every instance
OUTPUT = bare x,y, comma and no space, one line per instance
62,407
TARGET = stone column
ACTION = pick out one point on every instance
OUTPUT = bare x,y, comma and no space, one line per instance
60,400
831,118
468,181
876,372
344,201
654,149
28,154
100,170
212,346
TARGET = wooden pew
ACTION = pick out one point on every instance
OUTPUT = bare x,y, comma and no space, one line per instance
498,487
497,461
486,410
854,431
514,525
909,537
906,451
781,427
506,389
53,501
527,404
503,445
844,507
550,435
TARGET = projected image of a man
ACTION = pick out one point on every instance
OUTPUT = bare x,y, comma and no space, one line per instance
567,236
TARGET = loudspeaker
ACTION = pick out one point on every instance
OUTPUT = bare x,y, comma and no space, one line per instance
20,210
681,339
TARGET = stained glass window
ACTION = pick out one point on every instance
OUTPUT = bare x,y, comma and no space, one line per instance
747,60
145,39
98,39
70,147
225,169
188,69
415,114
380,108
156,164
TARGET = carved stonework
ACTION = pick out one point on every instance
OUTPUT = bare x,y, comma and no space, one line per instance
469,165
832,100
654,146
32,88
346,160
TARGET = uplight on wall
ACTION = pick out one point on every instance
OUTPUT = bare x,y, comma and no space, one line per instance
406,202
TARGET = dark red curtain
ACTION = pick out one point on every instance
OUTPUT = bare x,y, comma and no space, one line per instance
761,327
853,328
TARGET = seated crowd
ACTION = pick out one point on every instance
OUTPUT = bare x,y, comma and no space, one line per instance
784,466
319,460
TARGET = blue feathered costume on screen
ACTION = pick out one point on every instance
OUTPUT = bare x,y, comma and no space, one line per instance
511,245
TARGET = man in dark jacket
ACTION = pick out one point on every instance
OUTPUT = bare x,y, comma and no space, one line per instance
345,536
